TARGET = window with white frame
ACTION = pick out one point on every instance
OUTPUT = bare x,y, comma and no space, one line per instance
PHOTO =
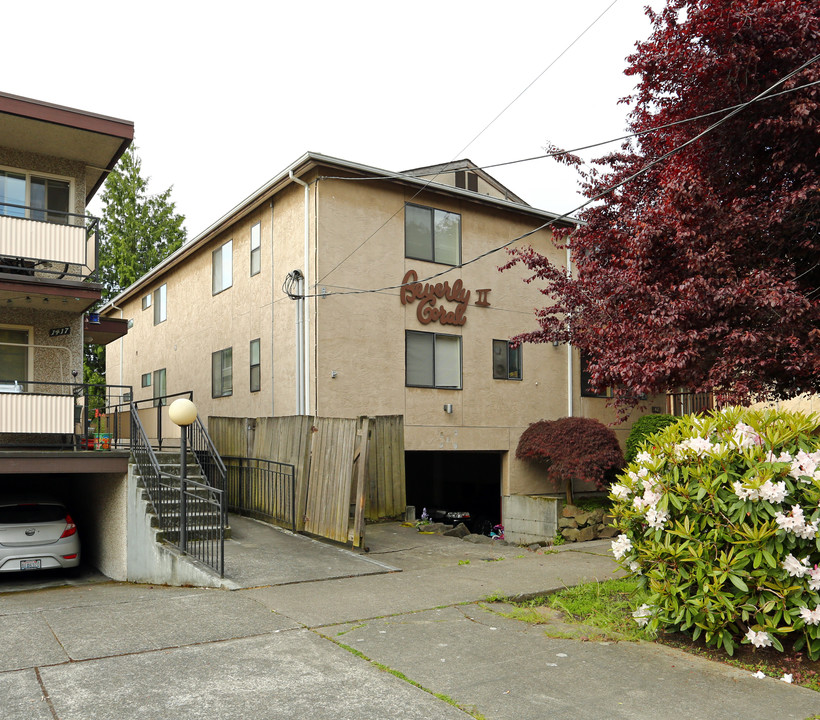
432,234
432,360
15,356
159,388
222,268
38,197
256,248
160,304
506,361
256,367
145,379
222,373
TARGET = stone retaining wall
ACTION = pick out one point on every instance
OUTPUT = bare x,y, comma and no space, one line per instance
577,525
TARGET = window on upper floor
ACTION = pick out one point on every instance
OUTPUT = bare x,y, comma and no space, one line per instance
222,373
506,361
432,360
145,380
160,390
256,367
146,301
222,268
256,248
431,234
160,304
23,194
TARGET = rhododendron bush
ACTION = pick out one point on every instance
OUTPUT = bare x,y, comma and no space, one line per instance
719,520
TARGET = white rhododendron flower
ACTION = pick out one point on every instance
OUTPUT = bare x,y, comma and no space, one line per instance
810,617
643,457
656,518
744,493
773,492
814,578
635,567
745,436
759,639
796,523
642,615
795,567
620,491
699,446
621,546
805,464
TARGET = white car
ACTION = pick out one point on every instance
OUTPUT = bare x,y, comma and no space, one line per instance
37,535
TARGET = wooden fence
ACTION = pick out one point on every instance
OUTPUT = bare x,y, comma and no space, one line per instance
346,469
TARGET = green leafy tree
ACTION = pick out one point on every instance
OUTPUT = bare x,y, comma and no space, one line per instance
137,231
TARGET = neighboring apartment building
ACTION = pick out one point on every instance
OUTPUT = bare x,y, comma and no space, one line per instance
53,160
339,289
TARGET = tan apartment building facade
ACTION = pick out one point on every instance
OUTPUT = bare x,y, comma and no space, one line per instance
341,290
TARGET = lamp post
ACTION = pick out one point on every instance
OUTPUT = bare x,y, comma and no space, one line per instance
183,412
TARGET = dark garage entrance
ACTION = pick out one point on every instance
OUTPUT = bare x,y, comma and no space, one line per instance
456,480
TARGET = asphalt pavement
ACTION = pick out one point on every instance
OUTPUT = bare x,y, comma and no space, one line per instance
317,631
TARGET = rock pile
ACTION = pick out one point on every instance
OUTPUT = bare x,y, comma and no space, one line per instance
577,525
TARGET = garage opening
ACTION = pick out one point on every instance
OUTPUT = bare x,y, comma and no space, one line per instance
456,481
96,503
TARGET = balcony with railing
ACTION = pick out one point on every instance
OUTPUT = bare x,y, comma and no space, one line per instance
47,245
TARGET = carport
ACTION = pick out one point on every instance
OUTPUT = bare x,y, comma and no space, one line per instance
456,480
92,485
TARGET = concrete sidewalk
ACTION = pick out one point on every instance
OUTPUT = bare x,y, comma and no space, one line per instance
298,644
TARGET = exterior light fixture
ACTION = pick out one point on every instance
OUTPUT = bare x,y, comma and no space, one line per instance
183,412
448,408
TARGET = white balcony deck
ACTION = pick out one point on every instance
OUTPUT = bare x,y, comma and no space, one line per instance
30,413
70,245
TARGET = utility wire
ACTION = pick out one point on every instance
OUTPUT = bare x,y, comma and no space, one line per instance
480,133
597,196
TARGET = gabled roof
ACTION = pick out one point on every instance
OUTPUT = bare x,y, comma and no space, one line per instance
43,128
310,161
434,171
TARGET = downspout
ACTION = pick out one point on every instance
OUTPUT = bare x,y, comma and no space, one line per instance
122,338
272,386
306,309
570,387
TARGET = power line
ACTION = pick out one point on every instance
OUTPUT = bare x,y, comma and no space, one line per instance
481,132
566,216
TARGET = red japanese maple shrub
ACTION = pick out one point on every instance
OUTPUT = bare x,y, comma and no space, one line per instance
573,448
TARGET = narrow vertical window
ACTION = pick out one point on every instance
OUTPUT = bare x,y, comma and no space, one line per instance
222,373
159,388
256,374
160,308
222,267
256,248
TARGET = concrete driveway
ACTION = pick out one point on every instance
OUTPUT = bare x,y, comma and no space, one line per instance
399,633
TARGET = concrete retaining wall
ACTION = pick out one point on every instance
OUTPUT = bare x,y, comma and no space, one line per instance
152,562
530,518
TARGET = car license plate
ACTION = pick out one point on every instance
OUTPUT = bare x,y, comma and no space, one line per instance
30,564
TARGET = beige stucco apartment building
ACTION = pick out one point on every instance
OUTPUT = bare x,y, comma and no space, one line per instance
340,290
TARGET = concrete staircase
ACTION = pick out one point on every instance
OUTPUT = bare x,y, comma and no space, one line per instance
200,525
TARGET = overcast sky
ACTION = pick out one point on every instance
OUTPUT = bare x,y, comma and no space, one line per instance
224,96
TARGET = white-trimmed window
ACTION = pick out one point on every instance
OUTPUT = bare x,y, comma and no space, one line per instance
256,367
15,355
222,373
506,361
432,360
160,304
256,248
431,234
222,268
35,196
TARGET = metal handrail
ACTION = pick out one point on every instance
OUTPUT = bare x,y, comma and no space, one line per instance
262,488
